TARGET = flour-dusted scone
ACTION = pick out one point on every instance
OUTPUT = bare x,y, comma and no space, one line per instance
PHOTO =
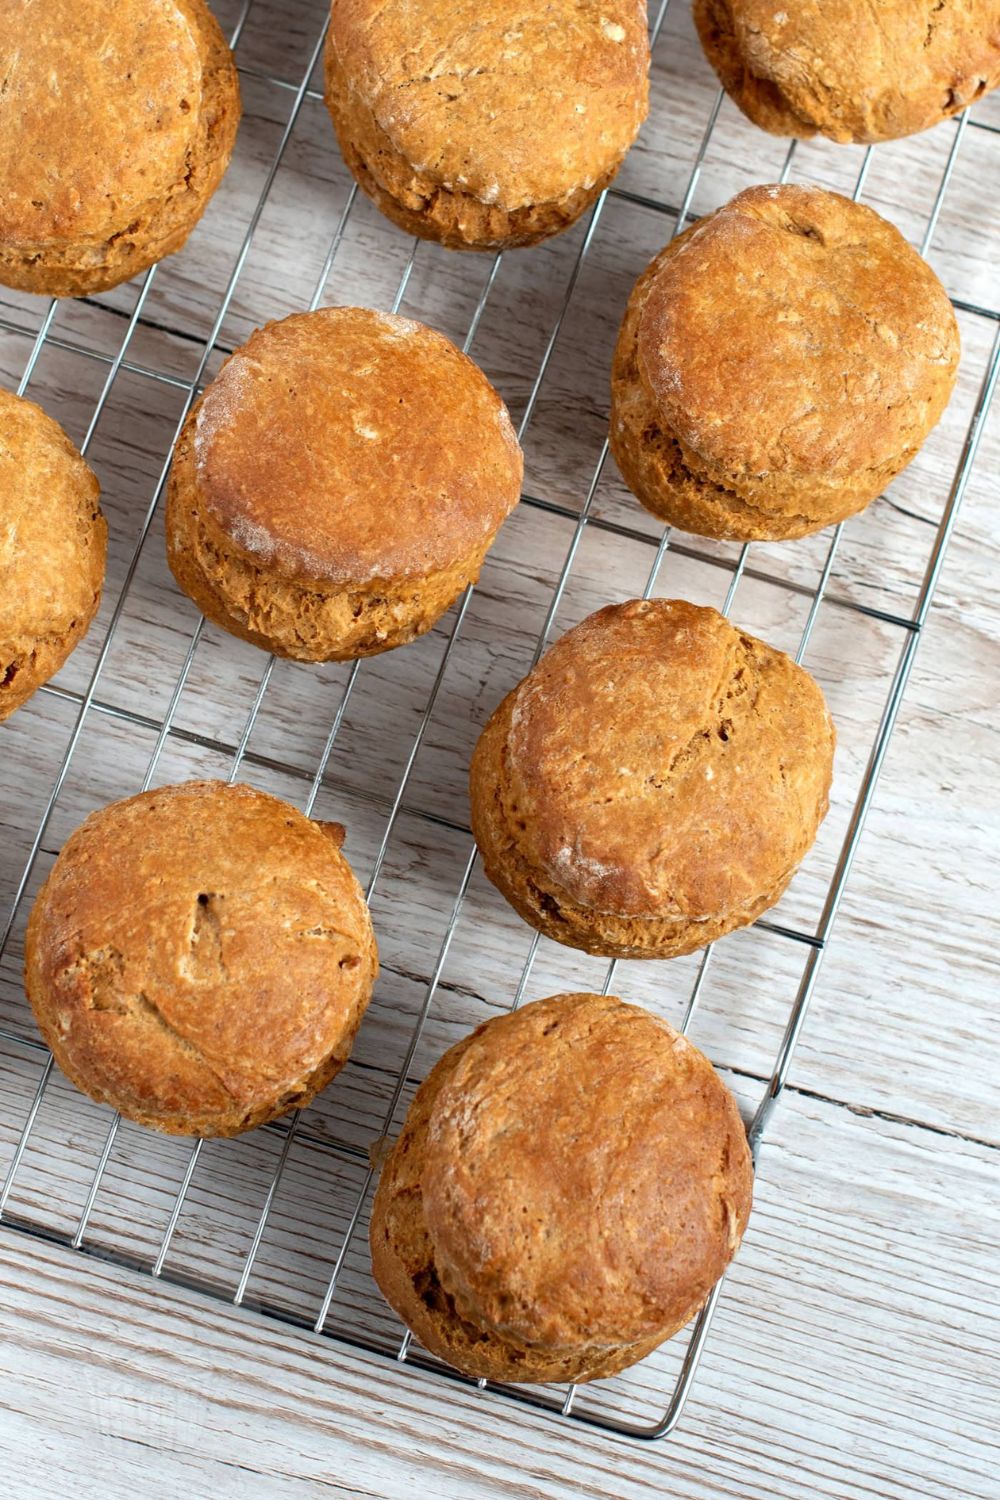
778,364
200,958
853,70
53,541
653,783
338,484
116,125
571,1181
486,124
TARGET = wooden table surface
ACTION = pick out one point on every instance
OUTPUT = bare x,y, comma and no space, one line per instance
854,1353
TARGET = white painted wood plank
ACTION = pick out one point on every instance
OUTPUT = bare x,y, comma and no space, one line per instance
854,1358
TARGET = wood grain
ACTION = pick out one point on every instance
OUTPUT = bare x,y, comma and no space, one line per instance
837,1371
852,1350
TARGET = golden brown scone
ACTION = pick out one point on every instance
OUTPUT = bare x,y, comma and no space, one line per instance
116,125
339,484
571,1181
486,124
778,364
53,541
854,70
653,783
200,958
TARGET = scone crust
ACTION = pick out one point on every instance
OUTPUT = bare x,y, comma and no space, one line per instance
839,352
653,783
570,1182
852,71
111,170
200,958
339,483
53,543
486,129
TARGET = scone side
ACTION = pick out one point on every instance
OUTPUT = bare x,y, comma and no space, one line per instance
164,222
654,465
219,120
425,207
759,98
233,591
28,661
29,664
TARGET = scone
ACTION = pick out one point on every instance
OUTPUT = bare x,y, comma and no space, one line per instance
853,71
200,958
338,484
779,363
571,1181
486,124
653,783
53,541
116,125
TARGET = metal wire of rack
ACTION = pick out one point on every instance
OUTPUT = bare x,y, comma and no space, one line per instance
329,1317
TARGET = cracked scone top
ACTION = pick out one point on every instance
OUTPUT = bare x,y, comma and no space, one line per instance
485,123
778,364
53,541
653,782
339,483
200,958
570,1182
853,71
116,125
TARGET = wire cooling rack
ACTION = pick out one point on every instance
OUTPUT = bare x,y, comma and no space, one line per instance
277,1220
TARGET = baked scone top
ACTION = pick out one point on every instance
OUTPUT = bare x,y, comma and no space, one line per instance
512,101
99,107
660,762
197,948
52,537
586,1178
796,333
854,70
347,445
